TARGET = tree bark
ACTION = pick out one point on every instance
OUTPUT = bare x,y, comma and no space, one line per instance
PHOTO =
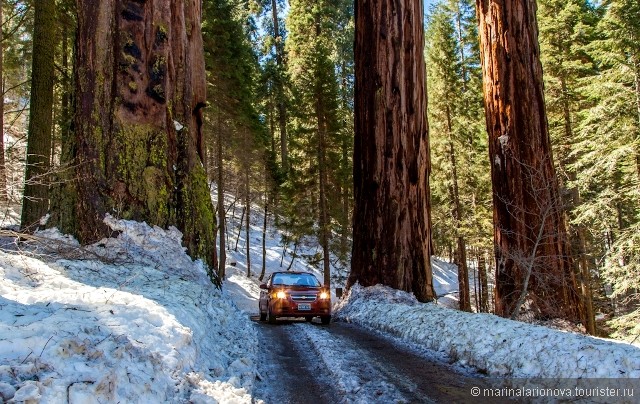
140,86
222,264
247,228
35,202
325,232
264,223
522,171
460,258
484,284
392,223
4,194
64,196
282,108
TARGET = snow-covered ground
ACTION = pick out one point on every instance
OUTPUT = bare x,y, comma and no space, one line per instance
494,345
134,319
141,324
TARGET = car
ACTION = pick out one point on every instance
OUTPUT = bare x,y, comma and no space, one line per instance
294,294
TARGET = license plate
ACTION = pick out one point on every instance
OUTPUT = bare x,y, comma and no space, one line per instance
304,306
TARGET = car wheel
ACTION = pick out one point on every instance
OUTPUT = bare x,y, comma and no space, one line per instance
308,318
263,316
270,317
325,319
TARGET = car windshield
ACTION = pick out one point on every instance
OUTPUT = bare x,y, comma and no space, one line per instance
295,280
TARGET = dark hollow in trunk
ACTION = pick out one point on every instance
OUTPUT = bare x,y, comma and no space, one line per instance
140,86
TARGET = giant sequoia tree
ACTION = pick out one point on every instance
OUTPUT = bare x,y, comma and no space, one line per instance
391,234
532,253
140,90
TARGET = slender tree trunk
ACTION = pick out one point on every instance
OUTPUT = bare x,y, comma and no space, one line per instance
64,195
636,71
140,85
222,230
476,289
244,210
522,171
293,255
322,200
264,224
247,204
391,222
484,284
461,248
4,195
35,202
282,108
578,231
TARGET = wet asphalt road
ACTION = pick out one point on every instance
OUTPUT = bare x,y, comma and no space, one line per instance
291,370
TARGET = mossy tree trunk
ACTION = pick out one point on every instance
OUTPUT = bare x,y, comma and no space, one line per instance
140,87
391,223
35,202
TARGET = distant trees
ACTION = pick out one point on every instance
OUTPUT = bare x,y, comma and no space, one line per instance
392,229
566,29
460,182
527,208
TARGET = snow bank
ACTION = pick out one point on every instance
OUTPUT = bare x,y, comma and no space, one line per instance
143,324
498,346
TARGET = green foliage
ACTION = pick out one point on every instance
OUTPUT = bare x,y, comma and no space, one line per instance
456,125
320,67
591,58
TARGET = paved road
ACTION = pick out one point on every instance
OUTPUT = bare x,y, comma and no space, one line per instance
344,363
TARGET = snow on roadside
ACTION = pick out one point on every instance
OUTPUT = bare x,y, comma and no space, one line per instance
144,324
489,343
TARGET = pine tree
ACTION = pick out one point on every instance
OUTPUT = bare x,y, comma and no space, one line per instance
608,171
312,70
231,117
566,30
460,184
445,91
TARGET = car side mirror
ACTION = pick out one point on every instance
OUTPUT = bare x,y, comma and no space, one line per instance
264,286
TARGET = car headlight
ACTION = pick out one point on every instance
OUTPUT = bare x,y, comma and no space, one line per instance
324,296
280,295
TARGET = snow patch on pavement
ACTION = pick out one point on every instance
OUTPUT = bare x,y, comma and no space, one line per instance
357,380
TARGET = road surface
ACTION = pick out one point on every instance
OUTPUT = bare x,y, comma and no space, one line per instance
343,363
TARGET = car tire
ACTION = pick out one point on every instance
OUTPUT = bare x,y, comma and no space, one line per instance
308,318
270,317
325,319
263,316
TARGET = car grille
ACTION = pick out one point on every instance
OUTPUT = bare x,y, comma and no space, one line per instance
303,298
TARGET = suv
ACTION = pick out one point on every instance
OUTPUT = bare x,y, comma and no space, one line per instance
294,294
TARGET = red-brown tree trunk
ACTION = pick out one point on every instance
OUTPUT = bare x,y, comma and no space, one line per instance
391,223
140,86
530,237
4,196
